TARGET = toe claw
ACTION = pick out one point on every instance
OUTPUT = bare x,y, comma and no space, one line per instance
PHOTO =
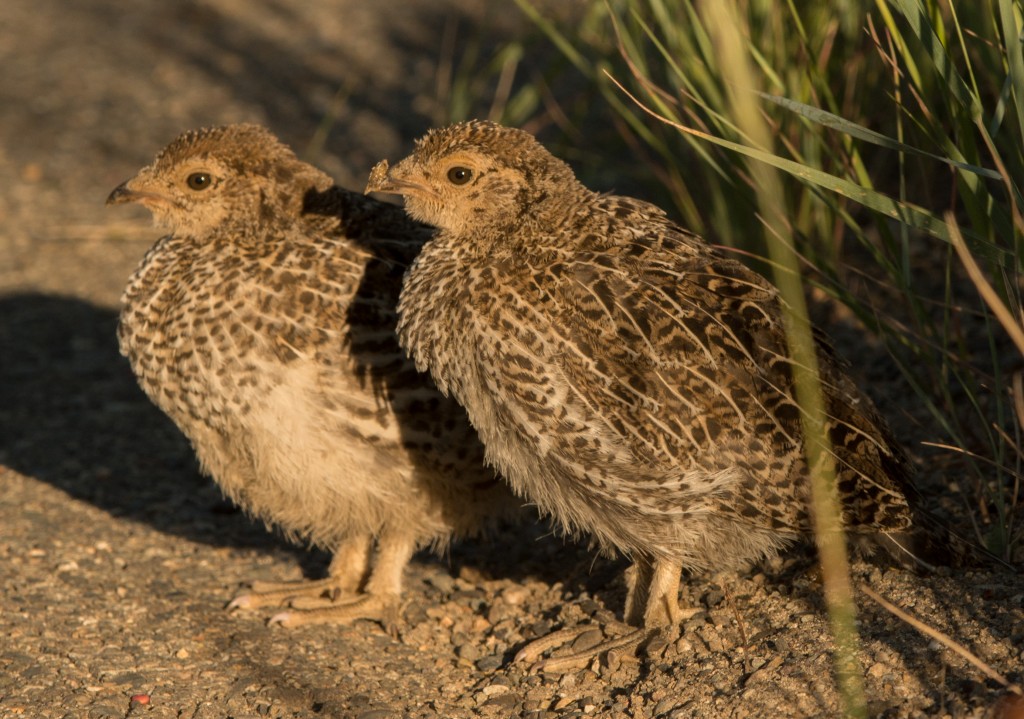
242,601
281,618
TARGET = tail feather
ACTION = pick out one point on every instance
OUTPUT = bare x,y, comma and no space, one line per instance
929,543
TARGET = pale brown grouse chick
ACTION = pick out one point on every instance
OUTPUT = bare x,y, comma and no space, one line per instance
264,326
623,374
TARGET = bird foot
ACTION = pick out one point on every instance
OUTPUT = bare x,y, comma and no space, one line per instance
586,643
381,608
277,594
320,601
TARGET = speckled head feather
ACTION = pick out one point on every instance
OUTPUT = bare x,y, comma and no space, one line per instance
244,147
518,149
199,174
483,178
239,141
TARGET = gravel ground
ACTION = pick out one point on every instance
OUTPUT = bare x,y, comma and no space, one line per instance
117,558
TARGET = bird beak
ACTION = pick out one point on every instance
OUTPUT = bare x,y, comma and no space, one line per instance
394,181
121,194
126,193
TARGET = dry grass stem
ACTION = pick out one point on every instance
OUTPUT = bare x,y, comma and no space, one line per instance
988,293
941,638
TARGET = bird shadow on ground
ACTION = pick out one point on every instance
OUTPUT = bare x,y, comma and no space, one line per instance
72,415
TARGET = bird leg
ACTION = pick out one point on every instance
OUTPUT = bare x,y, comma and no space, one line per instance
653,597
353,589
379,598
652,603
345,575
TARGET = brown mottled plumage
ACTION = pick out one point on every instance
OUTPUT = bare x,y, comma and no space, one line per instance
622,373
263,325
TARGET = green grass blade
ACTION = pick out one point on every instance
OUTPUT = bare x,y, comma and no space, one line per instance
1014,57
830,120
925,32
907,213
557,38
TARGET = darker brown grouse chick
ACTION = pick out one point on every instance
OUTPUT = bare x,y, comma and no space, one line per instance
263,325
624,375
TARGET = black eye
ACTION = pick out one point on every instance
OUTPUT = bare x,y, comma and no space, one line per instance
199,180
460,175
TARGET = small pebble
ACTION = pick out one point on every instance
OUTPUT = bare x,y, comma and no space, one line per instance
541,628
467,651
587,640
562,703
877,669
442,581
612,662
505,701
664,706
376,714
515,595
589,607
490,663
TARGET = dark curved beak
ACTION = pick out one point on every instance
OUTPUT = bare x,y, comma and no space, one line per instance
124,193
121,194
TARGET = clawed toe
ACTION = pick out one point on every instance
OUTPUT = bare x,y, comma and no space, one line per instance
319,601
533,651
351,590
383,609
279,594
586,643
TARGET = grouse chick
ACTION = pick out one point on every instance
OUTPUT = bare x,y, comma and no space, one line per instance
264,326
623,374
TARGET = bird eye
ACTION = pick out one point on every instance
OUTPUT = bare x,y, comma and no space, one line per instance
459,175
199,180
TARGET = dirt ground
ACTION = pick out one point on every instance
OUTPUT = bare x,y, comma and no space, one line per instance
117,557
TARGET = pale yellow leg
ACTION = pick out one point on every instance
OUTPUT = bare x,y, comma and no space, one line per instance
345,575
652,603
381,594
